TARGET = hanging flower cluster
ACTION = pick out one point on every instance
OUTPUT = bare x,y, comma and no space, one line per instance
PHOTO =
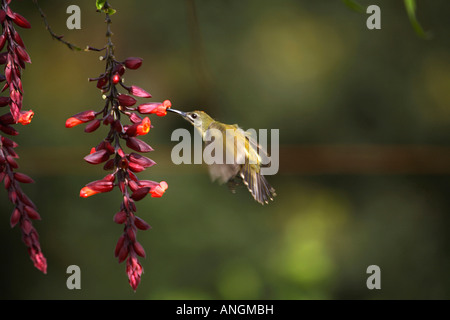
14,58
110,152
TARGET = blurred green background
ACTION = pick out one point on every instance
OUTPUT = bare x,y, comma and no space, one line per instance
309,68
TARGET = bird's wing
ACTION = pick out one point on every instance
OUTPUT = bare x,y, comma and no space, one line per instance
258,151
223,171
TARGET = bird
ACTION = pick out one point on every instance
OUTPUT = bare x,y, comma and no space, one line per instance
246,153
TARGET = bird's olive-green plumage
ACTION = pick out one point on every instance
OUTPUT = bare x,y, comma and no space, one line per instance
244,150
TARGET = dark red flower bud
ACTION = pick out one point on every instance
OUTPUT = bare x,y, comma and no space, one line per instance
91,127
141,160
26,226
135,167
119,245
23,178
140,193
139,249
4,101
139,92
12,162
97,157
21,21
133,185
131,234
110,177
109,165
2,16
2,41
18,39
126,100
9,130
120,217
8,142
119,69
15,217
133,63
123,254
23,54
141,224
135,118
138,145
7,182
102,82
33,214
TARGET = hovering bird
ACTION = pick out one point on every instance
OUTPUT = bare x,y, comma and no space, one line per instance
245,152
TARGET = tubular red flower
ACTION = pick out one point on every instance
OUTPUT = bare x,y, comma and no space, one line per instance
144,127
87,192
25,117
80,118
158,191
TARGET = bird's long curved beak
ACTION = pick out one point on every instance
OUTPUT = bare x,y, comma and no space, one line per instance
181,113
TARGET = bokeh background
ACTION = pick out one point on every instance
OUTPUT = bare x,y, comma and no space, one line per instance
364,119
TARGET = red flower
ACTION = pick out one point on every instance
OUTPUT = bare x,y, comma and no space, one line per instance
160,109
25,117
158,191
87,192
144,127
80,118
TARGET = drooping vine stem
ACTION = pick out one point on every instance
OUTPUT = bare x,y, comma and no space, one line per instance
49,29
124,166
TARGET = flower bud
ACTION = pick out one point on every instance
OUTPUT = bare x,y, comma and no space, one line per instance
133,63
140,193
21,21
138,145
120,217
126,100
139,92
91,127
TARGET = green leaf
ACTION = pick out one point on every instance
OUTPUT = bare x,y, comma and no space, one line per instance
411,10
110,11
354,5
99,4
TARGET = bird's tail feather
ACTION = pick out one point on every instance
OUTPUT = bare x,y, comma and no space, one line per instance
257,184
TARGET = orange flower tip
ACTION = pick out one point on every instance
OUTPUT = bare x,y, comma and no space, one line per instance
144,127
87,192
72,122
164,185
159,190
25,117
167,103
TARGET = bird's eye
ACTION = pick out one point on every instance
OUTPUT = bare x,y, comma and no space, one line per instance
194,116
